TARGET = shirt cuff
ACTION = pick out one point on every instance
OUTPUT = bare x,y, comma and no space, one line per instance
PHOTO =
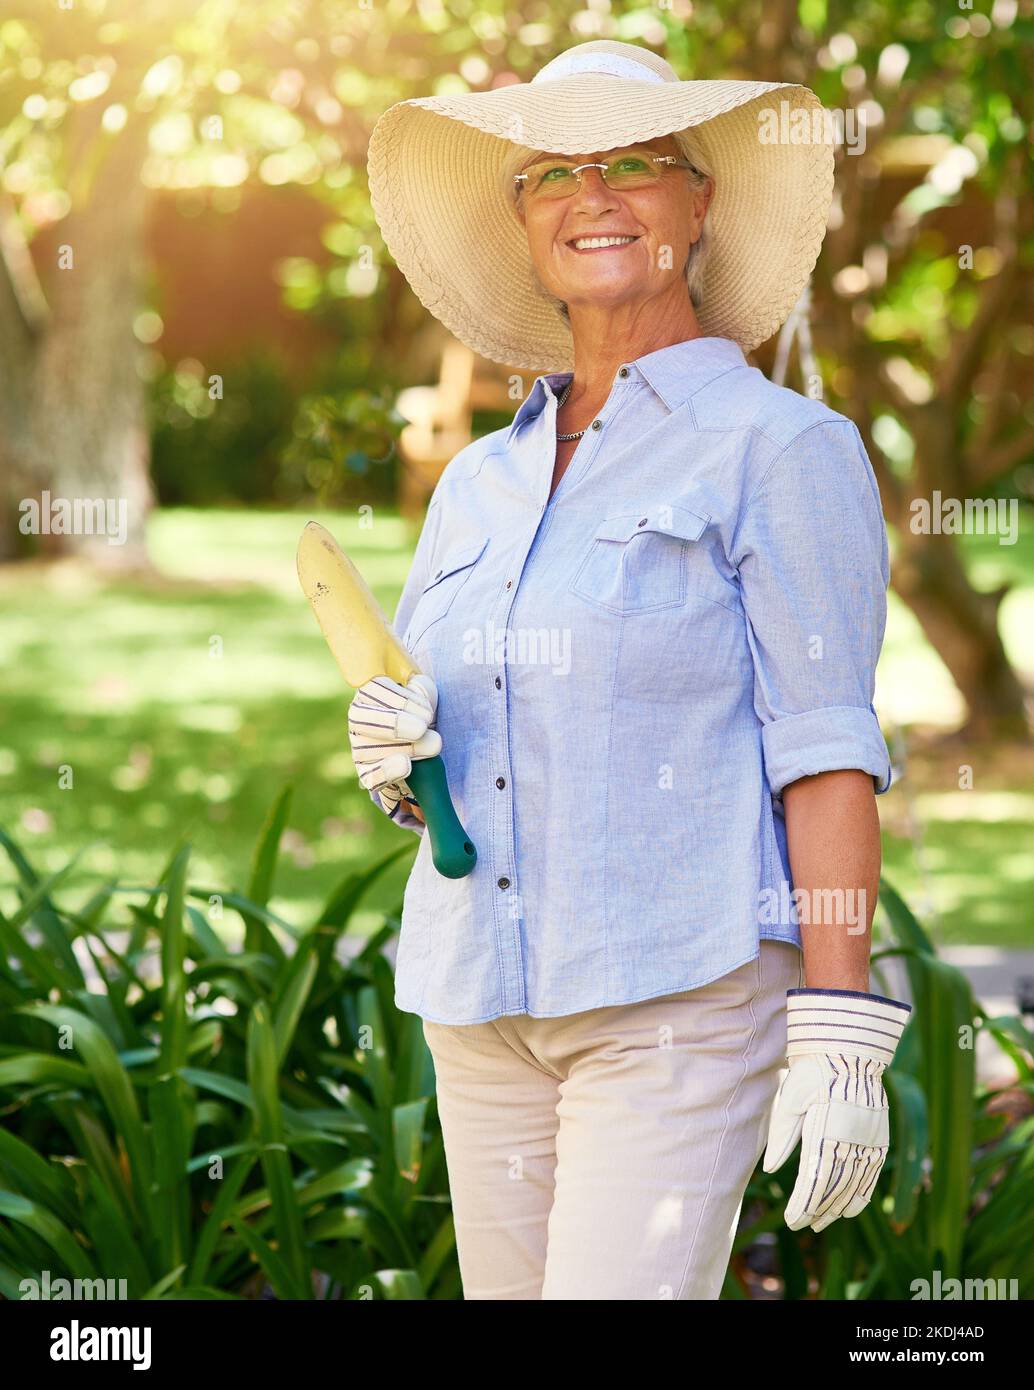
825,740
404,818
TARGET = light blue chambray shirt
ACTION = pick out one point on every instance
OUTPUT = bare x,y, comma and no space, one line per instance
629,674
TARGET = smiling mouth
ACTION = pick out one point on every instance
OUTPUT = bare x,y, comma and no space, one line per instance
582,244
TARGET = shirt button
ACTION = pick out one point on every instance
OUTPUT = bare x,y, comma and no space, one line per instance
500,782
643,522
509,583
597,424
438,575
498,683
623,372
504,883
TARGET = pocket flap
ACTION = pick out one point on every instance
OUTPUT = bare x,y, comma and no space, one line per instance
670,520
457,559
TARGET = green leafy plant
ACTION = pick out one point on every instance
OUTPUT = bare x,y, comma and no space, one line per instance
955,1199
202,1121
205,1120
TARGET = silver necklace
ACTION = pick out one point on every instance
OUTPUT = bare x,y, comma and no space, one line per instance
563,398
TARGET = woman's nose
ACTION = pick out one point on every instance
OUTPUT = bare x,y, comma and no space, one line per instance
592,189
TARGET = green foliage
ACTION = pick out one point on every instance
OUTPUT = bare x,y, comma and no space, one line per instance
956,1194
344,446
253,436
203,1122
162,735
213,443
200,1121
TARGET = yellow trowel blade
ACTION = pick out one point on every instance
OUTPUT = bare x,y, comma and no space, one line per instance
353,622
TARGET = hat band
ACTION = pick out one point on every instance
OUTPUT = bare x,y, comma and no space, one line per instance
568,65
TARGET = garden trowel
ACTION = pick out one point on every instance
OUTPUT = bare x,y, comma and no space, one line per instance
364,646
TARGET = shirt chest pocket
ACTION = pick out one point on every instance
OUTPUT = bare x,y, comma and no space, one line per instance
636,563
439,593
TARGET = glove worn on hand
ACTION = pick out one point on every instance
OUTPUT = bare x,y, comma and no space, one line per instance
839,1042
389,727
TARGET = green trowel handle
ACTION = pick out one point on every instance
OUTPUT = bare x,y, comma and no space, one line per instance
451,850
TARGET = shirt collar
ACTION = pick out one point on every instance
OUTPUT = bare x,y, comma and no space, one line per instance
678,372
675,372
535,401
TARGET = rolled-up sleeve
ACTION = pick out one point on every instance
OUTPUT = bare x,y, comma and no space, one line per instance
811,553
411,591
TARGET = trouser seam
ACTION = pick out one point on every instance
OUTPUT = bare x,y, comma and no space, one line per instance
702,1209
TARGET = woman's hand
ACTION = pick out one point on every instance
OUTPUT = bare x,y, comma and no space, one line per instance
839,1043
389,727
840,1037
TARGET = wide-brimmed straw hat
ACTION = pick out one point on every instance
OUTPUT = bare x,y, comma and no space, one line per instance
441,169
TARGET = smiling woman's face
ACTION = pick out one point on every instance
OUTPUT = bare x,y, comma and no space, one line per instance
663,221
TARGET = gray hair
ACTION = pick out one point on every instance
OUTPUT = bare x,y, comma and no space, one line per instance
697,258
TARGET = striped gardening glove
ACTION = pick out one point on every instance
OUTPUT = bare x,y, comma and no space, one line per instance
838,1044
390,725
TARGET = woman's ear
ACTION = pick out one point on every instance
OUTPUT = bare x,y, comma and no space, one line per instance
702,197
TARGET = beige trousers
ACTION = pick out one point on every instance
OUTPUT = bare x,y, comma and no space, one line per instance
604,1154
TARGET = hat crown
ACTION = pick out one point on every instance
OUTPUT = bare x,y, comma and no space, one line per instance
610,58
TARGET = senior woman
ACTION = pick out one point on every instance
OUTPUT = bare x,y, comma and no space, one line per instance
648,612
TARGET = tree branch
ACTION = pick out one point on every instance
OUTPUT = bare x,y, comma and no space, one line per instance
963,363
26,305
24,316
1002,458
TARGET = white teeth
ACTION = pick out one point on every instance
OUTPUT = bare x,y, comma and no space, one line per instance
589,243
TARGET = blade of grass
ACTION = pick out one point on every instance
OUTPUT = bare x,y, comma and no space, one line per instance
113,1085
204,1247
274,1268
37,1179
262,1073
298,979
174,980
74,1260
118,1246
47,918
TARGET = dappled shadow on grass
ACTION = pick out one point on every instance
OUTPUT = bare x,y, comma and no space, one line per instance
964,884
957,848
208,770
141,779
140,711
183,703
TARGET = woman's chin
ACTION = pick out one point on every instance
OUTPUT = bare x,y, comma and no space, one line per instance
604,295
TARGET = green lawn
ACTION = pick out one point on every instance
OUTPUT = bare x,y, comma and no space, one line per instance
184,704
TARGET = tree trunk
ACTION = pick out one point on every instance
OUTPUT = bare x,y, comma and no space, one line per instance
82,433
961,625
960,622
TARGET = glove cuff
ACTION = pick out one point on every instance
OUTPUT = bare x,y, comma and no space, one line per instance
844,1021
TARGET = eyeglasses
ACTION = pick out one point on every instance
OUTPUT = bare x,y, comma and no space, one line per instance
625,169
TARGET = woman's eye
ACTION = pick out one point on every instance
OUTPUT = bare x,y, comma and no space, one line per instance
630,164
559,172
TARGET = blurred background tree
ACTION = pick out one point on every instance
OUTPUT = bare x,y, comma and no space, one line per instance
921,304
197,315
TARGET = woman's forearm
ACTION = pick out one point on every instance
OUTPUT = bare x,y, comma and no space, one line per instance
833,839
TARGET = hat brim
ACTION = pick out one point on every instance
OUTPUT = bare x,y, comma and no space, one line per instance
437,170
